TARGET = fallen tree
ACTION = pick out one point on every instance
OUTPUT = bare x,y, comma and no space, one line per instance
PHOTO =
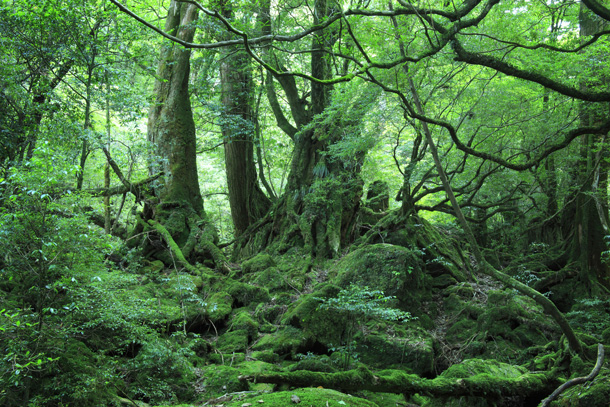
395,381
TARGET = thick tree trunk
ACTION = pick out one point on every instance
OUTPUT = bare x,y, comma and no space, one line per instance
178,205
322,198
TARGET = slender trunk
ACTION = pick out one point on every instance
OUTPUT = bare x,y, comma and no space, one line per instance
247,200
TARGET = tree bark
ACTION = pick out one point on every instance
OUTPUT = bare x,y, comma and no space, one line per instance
247,200
178,205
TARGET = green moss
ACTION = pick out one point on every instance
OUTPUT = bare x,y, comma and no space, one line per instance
243,321
443,281
462,331
408,348
266,356
395,270
234,341
315,364
323,325
220,379
472,367
272,279
245,293
308,397
219,306
285,341
590,394
258,263
229,359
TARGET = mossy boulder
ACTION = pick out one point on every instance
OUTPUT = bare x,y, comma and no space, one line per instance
395,270
409,348
234,341
245,293
244,321
219,306
286,341
321,325
305,397
217,380
258,263
271,278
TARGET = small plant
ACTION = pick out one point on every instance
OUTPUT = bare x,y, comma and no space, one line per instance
359,305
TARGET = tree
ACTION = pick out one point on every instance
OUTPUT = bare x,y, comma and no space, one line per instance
239,123
177,210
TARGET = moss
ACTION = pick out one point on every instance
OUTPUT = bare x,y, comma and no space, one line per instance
472,367
272,279
258,263
443,281
229,358
234,341
243,321
462,331
220,379
285,341
590,394
315,364
319,324
219,306
265,355
395,270
308,397
408,348
245,293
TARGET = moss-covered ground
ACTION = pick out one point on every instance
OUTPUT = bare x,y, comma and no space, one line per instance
153,335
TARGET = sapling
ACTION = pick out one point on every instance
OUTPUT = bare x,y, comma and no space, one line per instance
357,305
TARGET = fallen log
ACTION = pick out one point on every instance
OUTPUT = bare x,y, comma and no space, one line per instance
395,381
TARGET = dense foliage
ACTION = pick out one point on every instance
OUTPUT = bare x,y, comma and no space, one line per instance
206,201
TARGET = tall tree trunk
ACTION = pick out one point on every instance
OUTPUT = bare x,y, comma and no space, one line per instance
178,206
318,209
247,200
588,212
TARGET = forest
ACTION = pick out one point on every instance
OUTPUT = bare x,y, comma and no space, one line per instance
328,203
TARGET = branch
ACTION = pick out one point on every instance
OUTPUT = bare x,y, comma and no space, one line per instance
135,188
598,9
508,69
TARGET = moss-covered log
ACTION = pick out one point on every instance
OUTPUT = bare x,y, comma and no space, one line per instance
395,381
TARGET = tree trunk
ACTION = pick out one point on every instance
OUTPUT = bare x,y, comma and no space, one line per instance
588,213
247,200
178,205
318,210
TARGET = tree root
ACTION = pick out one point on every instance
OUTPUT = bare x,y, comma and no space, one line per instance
173,246
577,380
395,381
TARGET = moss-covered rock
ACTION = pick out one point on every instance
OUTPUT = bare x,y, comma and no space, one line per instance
286,341
244,321
395,270
234,341
321,325
217,380
410,348
219,306
245,293
258,263
314,363
305,397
